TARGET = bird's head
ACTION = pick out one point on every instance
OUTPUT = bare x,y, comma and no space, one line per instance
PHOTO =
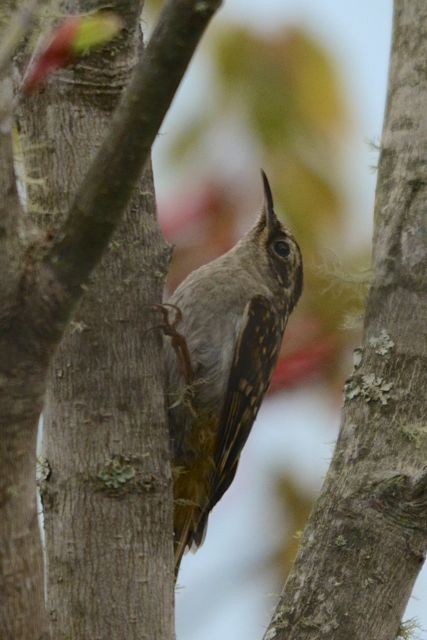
280,250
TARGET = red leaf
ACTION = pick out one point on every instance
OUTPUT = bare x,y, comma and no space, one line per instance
56,53
74,37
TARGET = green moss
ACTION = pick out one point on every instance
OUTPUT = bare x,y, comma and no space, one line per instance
116,473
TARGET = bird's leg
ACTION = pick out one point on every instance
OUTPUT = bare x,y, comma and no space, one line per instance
178,342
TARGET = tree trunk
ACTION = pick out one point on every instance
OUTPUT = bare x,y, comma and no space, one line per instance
366,539
106,485
124,477
21,585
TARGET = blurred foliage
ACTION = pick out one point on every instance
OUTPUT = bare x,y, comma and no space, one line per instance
285,90
295,506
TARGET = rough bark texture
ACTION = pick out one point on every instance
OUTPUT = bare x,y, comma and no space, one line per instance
115,474
107,500
106,486
21,586
367,536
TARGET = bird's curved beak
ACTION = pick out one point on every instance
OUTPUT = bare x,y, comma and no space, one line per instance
268,213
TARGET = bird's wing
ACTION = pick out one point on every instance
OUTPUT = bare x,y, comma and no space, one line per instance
254,358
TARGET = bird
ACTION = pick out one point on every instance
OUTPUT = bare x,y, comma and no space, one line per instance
225,323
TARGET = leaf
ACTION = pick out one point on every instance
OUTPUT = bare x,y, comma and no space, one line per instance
95,31
74,37
288,83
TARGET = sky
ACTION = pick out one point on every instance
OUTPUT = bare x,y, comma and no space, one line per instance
216,598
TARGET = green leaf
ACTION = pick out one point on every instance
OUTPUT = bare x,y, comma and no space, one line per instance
95,30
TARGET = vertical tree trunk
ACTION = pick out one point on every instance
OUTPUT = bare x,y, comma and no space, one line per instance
22,613
107,501
106,488
367,536
45,269
21,589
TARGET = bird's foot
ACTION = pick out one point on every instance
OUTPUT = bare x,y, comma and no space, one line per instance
178,341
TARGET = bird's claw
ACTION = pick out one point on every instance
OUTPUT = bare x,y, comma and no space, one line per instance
178,341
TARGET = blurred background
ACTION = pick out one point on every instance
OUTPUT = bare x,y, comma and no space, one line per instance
296,87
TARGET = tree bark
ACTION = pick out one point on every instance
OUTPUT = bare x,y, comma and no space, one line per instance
21,570
22,612
124,479
367,536
106,485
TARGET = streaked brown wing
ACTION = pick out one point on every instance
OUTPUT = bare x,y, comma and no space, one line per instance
255,356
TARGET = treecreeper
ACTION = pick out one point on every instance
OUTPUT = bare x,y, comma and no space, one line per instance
225,325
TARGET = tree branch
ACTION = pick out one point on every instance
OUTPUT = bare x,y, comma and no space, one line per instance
107,186
366,539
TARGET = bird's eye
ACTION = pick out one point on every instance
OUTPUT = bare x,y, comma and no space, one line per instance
282,248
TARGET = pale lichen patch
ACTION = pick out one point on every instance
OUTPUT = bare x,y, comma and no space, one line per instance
43,474
357,357
78,326
43,469
116,473
370,387
280,621
381,344
271,634
352,389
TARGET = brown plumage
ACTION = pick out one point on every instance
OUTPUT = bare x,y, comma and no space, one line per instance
233,314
